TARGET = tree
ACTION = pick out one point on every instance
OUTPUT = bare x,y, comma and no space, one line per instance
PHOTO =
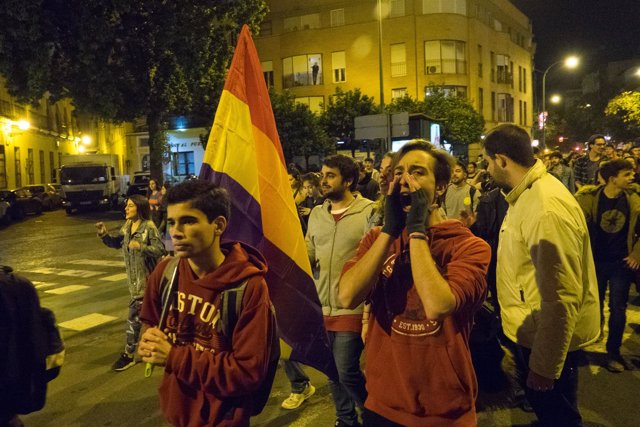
122,59
626,106
299,129
462,124
342,109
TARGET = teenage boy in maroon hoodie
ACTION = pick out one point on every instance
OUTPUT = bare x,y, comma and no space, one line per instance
208,378
425,279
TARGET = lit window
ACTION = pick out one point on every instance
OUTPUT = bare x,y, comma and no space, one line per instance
445,57
444,6
337,17
398,60
315,103
302,70
267,71
339,67
397,8
447,91
398,93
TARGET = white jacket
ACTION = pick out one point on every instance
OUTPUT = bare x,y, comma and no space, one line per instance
546,276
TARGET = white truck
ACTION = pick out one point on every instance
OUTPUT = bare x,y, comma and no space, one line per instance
90,180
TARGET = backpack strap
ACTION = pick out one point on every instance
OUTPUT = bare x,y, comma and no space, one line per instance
230,308
472,192
169,276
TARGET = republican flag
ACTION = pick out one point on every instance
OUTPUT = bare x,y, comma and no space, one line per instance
244,156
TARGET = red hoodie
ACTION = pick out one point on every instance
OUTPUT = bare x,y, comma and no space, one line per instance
206,381
420,373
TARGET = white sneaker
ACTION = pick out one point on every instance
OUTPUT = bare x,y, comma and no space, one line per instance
295,399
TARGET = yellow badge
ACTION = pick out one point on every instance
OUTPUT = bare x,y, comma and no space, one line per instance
467,201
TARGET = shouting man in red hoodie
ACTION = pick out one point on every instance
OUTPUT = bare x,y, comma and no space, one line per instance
208,377
425,279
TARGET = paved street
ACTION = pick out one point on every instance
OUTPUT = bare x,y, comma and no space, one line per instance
83,281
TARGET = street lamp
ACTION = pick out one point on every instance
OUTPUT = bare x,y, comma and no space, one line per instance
569,62
555,99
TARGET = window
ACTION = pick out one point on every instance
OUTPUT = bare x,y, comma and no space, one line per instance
43,178
30,168
480,99
302,70
520,112
511,73
339,67
266,28
480,61
493,106
497,25
503,72
18,166
445,57
398,93
183,163
448,91
524,114
504,103
52,167
315,103
304,22
524,80
143,142
444,6
267,71
396,8
398,60
337,17
520,78
3,168
493,67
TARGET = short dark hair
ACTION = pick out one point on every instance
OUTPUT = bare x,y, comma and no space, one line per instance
347,167
312,178
369,160
511,141
593,138
205,196
461,164
612,168
142,205
556,154
443,161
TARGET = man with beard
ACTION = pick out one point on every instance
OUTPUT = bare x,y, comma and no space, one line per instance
461,199
425,279
334,230
561,171
546,278
585,167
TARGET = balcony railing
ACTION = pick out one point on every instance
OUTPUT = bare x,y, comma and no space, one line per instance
302,79
398,69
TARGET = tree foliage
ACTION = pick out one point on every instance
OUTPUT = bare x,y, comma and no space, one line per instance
342,109
626,106
299,129
122,59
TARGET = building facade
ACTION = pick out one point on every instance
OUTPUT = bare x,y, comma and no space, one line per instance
34,138
479,49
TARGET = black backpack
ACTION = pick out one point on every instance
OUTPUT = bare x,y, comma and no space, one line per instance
230,309
31,347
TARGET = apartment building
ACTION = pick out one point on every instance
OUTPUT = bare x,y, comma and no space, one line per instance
479,49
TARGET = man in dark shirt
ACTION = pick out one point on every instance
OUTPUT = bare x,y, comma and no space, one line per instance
585,167
612,212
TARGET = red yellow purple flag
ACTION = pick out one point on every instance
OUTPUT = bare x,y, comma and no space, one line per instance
244,156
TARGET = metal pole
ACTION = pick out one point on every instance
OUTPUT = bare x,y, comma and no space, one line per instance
380,69
544,103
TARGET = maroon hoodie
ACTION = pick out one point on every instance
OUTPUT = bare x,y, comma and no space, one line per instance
207,381
420,373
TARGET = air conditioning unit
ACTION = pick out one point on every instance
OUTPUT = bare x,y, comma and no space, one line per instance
432,69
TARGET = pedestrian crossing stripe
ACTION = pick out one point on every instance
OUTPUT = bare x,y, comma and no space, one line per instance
101,262
84,274
65,289
87,322
115,277
42,285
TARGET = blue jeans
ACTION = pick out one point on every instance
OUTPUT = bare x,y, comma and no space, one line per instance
133,326
350,391
296,375
619,277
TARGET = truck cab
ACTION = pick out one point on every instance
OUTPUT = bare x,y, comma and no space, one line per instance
89,181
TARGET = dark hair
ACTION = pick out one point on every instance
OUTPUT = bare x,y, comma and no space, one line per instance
461,164
368,159
312,178
613,167
360,164
166,185
510,141
593,138
475,165
347,167
443,161
209,198
556,154
294,171
142,205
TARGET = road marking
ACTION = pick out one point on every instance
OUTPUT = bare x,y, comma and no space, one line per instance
66,289
115,277
42,285
85,274
101,262
87,322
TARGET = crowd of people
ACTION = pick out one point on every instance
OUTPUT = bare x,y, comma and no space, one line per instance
403,258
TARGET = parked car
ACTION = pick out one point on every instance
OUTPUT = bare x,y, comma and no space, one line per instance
47,195
21,202
139,184
58,188
5,218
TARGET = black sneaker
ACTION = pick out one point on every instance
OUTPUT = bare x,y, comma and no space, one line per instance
124,362
340,423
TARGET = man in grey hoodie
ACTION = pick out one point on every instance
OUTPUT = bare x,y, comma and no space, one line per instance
334,232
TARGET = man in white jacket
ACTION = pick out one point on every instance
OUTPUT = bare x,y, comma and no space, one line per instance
546,279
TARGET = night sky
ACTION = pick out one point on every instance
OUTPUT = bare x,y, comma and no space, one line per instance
596,30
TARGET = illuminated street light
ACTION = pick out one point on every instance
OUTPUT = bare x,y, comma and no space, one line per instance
555,99
86,139
23,125
569,62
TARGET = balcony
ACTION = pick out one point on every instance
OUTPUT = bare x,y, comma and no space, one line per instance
302,79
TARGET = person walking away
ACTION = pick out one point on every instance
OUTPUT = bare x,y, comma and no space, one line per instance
546,278
612,212
210,377
142,248
425,279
